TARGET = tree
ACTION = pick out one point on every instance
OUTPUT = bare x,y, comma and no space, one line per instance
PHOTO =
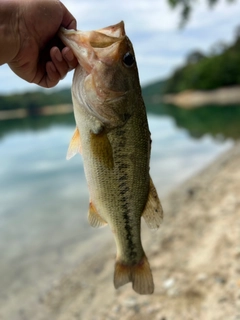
194,57
186,7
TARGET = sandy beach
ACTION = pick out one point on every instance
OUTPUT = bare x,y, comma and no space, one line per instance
195,98
195,260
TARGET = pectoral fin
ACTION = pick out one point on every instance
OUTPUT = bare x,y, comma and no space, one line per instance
153,212
94,219
75,145
102,150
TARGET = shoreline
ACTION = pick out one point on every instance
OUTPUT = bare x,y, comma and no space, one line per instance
41,111
195,98
196,249
187,99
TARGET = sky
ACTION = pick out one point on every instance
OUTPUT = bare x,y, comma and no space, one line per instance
153,27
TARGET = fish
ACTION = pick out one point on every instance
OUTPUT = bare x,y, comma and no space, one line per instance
112,135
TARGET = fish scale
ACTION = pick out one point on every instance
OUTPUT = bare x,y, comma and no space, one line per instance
130,250
113,138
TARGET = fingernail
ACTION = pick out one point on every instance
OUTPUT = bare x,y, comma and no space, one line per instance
58,56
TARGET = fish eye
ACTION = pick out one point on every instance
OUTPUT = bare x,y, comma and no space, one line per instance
128,59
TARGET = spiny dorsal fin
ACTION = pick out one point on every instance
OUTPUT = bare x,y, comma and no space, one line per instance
153,212
95,220
75,145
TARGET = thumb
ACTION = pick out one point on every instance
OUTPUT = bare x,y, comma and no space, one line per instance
68,20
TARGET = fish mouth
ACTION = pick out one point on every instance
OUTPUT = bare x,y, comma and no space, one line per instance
87,45
97,86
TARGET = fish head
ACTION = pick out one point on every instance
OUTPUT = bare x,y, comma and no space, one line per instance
106,81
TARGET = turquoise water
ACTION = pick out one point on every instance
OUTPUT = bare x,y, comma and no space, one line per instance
44,197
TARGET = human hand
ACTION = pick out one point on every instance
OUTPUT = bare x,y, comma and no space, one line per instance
41,57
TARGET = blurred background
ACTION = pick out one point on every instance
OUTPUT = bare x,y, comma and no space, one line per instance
188,55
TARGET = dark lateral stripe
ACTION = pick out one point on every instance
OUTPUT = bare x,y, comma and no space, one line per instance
124,196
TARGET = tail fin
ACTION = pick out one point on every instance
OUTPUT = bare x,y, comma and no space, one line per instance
140,275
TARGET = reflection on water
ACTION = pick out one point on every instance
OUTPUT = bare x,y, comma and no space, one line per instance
221,122
35,123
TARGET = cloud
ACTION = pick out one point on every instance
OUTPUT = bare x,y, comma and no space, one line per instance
152,26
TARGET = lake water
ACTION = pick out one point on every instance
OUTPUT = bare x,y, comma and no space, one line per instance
44,198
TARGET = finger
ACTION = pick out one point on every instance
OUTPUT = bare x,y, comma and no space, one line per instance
52,76
58,67
68,20
69,57
58,61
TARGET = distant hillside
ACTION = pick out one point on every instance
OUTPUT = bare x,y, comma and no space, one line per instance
153,88
221,68
152,95
33,100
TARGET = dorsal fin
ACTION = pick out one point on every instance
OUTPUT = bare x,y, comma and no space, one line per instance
74,145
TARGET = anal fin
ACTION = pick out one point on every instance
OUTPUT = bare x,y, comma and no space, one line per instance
75,145
153,212
94,219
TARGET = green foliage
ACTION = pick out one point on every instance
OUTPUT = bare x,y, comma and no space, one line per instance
186,7
35,123
208,72
221,122
33,100
150,90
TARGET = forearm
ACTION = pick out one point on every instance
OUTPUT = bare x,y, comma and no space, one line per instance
9,34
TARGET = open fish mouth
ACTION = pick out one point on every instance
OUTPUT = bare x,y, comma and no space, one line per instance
87,45
97,82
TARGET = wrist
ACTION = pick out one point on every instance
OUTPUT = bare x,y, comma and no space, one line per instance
9,30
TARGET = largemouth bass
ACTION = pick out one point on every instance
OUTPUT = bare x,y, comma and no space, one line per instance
113,138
